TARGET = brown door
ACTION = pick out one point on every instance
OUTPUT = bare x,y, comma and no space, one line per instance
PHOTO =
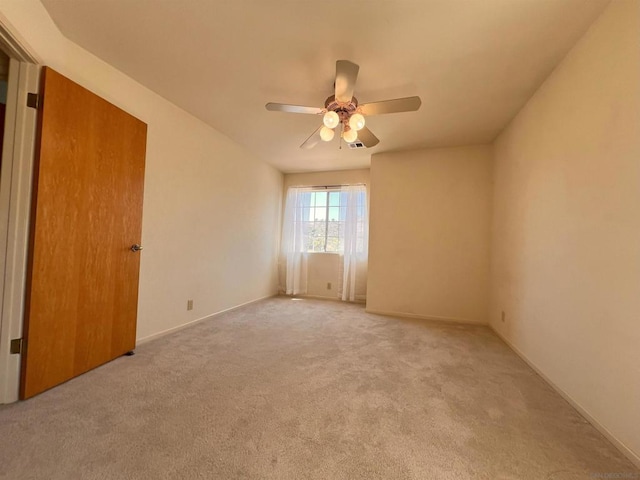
82,284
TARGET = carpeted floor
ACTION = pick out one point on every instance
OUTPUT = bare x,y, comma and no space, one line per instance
307,389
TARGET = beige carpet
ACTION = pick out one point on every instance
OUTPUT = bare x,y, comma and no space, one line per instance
307,390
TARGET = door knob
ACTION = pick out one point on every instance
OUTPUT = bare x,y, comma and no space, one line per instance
136,248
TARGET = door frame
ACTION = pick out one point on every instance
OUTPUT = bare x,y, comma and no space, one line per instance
15,204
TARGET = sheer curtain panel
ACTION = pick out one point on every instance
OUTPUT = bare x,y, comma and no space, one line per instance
294,248
356,239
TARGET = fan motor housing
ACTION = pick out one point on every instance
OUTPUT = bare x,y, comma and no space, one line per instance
344,110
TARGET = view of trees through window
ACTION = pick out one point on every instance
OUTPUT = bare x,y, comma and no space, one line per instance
323,220
324,226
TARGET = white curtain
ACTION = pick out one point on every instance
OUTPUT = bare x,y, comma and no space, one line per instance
356,239
293,240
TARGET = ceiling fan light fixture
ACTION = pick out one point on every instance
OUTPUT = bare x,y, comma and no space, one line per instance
342,110
331,119
326,134
356,122
350,135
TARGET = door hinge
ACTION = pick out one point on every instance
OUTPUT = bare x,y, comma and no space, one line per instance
16,346
33,100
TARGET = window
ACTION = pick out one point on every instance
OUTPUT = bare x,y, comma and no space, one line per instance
324,219
324,227
322,214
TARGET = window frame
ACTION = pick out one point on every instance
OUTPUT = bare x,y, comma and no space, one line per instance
327,190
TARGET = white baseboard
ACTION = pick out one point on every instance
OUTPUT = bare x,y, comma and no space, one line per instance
626,451
426,317
320,297
153,336
316,297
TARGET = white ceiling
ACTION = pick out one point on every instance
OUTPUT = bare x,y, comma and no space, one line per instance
474,63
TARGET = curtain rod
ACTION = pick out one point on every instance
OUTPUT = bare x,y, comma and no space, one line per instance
331,186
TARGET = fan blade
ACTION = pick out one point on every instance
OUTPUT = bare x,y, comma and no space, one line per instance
283,107
346,76
313,140
408,104
367,138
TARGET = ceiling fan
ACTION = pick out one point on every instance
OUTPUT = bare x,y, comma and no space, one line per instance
342,110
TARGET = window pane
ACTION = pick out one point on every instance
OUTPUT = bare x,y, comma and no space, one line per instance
320,213
321,199
334,214
308,240
334,199
333,229
318,234
333,244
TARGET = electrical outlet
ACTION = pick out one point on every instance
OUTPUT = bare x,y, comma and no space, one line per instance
328,285
503,316
189,304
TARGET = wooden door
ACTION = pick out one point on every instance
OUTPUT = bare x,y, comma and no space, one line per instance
82,283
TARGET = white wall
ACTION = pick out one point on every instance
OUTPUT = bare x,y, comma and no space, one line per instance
323,275
211,210
429,233
334,177
325,268
566,230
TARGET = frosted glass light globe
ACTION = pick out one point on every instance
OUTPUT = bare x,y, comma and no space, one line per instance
326,134
356,122
331,119
350,136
